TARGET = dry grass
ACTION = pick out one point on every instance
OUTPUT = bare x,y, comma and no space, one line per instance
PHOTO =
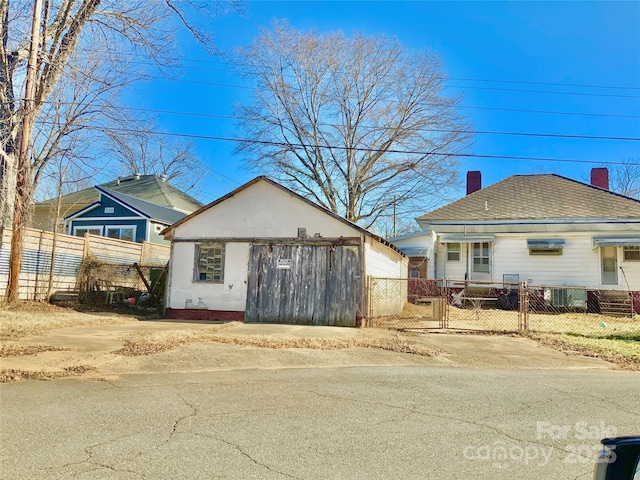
621,349
15,324
149,343
15,349
13,375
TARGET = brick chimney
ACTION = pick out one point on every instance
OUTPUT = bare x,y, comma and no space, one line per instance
474,181
600,178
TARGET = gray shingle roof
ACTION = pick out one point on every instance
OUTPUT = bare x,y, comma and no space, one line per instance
537,197
151,188
150,210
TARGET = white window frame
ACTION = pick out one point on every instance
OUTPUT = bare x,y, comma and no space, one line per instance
196,267
114,227
109,209
459,252
480,256
88,227
617,265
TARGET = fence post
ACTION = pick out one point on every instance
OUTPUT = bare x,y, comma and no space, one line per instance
523,307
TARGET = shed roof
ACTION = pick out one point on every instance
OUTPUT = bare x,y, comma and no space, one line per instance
537,197
268,180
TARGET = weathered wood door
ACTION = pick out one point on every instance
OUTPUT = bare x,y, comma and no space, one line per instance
304,284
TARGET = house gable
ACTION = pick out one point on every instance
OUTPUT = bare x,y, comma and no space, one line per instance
262,209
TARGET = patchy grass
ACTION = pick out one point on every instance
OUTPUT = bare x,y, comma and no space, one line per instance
13,375
20,322
15,349
622,349
149,343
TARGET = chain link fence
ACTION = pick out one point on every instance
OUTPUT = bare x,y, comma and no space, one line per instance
500,307
102,283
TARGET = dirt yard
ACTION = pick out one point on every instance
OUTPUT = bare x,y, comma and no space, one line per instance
38,341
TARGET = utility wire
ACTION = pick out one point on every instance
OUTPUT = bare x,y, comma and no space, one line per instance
435,130
474,87
466,79
363,149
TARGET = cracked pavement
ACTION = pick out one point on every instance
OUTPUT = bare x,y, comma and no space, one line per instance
405,422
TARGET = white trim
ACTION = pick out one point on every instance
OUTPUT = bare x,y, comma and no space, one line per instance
122,203
133,227
87,227
110,218
82,211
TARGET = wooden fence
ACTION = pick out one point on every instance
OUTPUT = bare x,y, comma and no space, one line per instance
38,276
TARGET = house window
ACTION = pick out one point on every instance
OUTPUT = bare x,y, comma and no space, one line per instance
121,233
545,251
82,231
631,254
453,252
481,257
209,263
552,246
109,209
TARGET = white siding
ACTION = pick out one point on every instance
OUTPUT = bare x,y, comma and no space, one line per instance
632,272
231,295
454,269
577,266
381,261
263,211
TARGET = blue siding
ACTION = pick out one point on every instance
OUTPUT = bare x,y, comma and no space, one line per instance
118,210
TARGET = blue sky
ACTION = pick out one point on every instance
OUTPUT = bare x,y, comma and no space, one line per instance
493,43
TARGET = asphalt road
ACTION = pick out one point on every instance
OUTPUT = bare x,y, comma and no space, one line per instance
317,423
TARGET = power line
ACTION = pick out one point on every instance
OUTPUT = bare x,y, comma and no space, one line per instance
473,87
364,149
435,130
549,112
466,79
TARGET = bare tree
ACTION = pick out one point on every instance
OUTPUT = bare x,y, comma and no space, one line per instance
625,178
142,152
70,32
355,124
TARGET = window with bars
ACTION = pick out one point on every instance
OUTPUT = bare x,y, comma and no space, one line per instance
209,263
631,254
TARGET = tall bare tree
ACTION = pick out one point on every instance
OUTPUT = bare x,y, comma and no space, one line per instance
625,178
147,153
70,32
355,124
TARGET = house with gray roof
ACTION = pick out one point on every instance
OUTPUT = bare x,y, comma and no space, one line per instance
152,188
122,216
542,229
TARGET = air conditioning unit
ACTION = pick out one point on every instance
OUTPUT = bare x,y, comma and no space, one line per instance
566,297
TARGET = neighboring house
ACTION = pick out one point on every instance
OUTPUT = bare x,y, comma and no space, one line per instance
121,216
543,229
152,188
263,253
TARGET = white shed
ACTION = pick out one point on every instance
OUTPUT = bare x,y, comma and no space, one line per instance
263,253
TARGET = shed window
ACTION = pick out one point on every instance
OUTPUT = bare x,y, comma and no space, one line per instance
453,252
209,263
631,254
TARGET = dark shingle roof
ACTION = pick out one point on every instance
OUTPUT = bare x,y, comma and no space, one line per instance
151,188
147,209
537,197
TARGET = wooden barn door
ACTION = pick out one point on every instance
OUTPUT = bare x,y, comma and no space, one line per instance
303,284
